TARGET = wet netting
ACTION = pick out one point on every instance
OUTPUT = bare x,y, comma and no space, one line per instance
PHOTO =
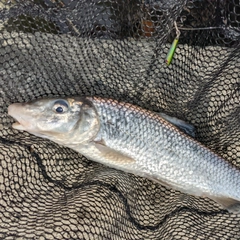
115,49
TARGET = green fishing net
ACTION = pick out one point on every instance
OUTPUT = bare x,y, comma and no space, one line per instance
115,49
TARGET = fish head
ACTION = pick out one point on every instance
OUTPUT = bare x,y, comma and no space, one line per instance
59,119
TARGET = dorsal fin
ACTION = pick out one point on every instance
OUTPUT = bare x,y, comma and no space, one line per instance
180,124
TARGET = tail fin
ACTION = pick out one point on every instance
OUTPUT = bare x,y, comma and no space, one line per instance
232,205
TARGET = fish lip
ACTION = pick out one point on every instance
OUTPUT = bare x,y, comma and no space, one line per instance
13,111
12,108
18,126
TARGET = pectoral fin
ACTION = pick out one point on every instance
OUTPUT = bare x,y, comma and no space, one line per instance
232,205
183,126
112,155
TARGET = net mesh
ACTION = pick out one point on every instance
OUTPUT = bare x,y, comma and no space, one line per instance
115,49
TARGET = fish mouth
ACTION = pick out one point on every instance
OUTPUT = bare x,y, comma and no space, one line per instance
18,126
16,110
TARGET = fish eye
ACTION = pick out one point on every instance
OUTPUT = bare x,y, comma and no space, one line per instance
59,109
60,106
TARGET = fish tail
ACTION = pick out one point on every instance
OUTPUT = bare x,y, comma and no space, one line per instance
232,205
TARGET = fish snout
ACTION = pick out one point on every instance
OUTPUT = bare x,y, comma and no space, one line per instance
17,111
14,108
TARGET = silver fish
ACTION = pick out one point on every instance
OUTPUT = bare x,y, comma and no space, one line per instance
129,138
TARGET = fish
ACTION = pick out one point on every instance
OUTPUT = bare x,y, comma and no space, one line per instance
127,137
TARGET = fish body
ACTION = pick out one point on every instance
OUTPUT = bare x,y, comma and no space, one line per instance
132,139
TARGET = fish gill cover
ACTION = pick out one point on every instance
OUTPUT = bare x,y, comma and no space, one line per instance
115,49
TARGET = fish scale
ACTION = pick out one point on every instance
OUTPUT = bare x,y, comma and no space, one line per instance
135,140
168,154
